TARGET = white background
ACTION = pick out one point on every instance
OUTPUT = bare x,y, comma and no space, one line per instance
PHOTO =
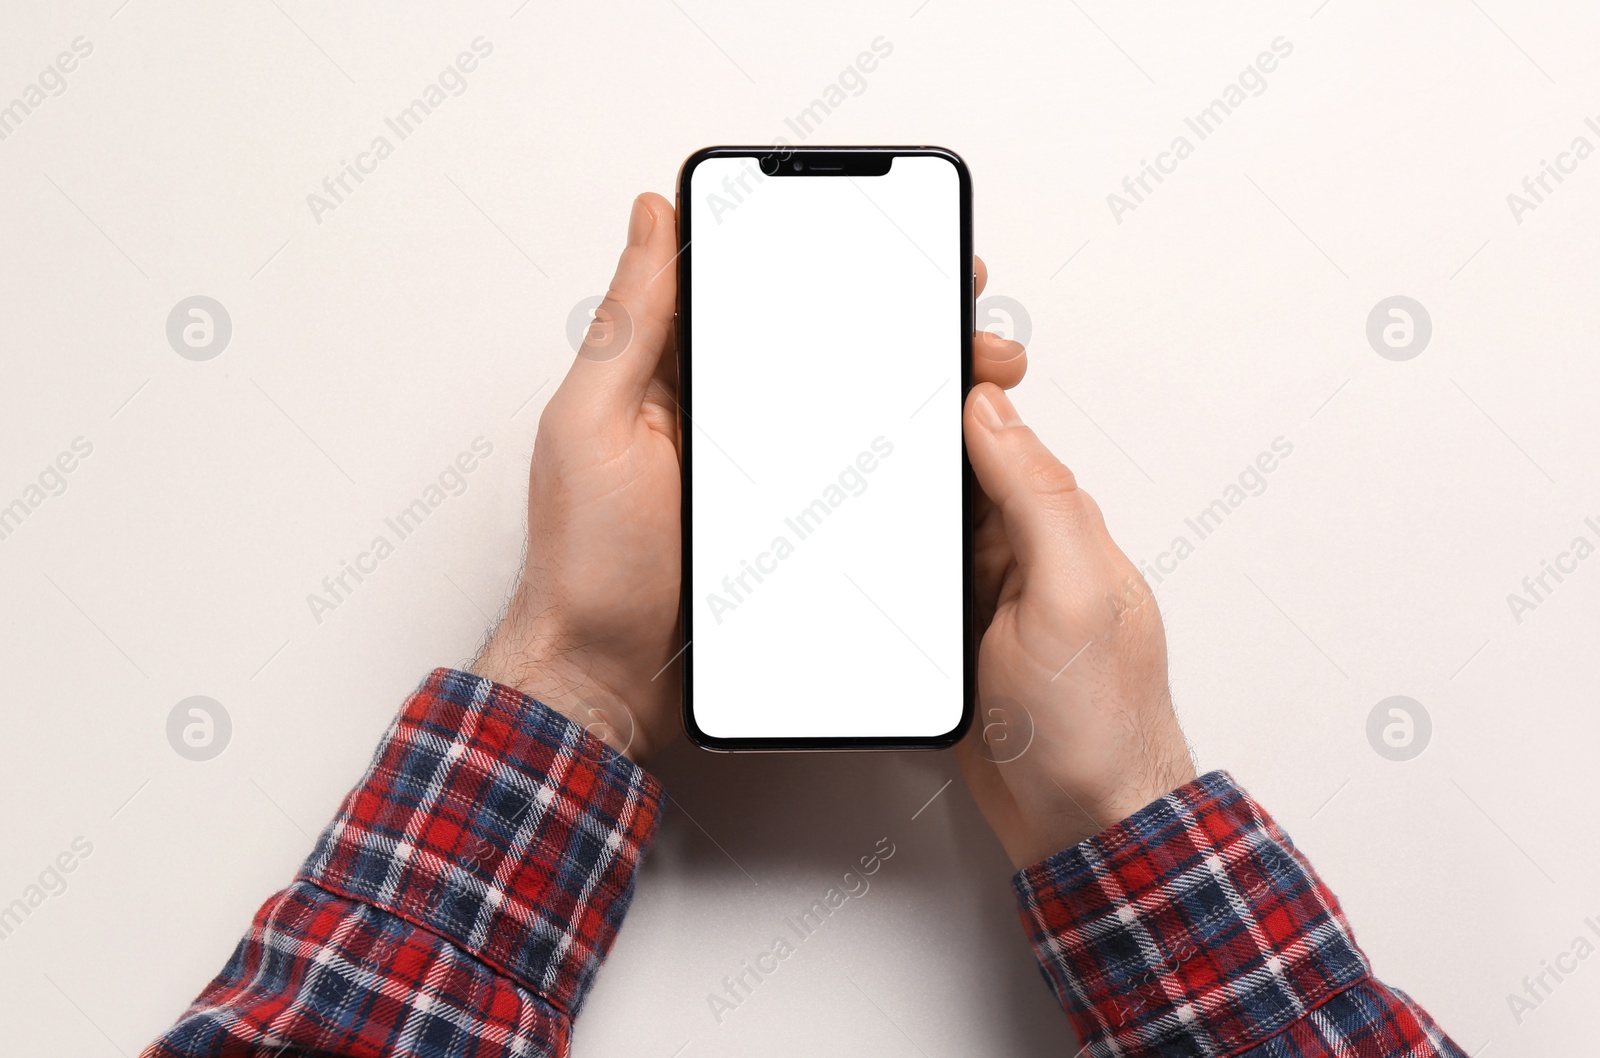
1167,352
859,631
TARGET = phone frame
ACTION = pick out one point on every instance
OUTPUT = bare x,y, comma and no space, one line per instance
821,163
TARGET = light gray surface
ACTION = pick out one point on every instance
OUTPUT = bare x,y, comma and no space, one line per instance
367,350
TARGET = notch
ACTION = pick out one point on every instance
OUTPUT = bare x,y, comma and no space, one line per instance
824,162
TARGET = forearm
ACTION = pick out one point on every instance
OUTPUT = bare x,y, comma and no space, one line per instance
461,901
1196,927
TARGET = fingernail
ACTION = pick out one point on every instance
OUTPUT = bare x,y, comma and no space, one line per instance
996,413
985,412
640,223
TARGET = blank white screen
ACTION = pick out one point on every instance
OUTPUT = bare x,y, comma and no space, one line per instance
826,373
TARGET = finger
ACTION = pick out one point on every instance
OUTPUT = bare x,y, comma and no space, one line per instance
988,788
666,374
980,772
633,325
998,360
980,276
1050,522
991,561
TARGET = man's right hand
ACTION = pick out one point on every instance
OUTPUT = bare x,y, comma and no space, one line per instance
1075,728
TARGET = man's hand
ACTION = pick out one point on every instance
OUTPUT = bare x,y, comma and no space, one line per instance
592,629
1075,728
594,622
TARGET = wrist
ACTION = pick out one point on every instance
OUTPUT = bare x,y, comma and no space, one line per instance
1079,811
1135,797
547,667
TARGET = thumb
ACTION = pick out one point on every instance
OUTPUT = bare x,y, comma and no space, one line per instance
1051,523
632,328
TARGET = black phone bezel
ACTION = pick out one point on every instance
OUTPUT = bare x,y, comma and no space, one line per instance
820,163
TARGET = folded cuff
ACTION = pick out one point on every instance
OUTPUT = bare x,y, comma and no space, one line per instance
1193,927
500,825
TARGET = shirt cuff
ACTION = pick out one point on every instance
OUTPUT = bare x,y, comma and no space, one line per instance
1193,926
500,825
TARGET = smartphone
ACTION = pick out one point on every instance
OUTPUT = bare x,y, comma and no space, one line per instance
825,313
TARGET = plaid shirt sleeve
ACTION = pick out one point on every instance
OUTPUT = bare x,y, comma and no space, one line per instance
459,904
1195,928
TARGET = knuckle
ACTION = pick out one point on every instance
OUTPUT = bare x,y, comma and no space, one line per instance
1117,609
633,276
1129,604
614,304
612,309
1046,475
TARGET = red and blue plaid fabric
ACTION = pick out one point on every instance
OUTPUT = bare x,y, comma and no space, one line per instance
462,900
1195,928
459,904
